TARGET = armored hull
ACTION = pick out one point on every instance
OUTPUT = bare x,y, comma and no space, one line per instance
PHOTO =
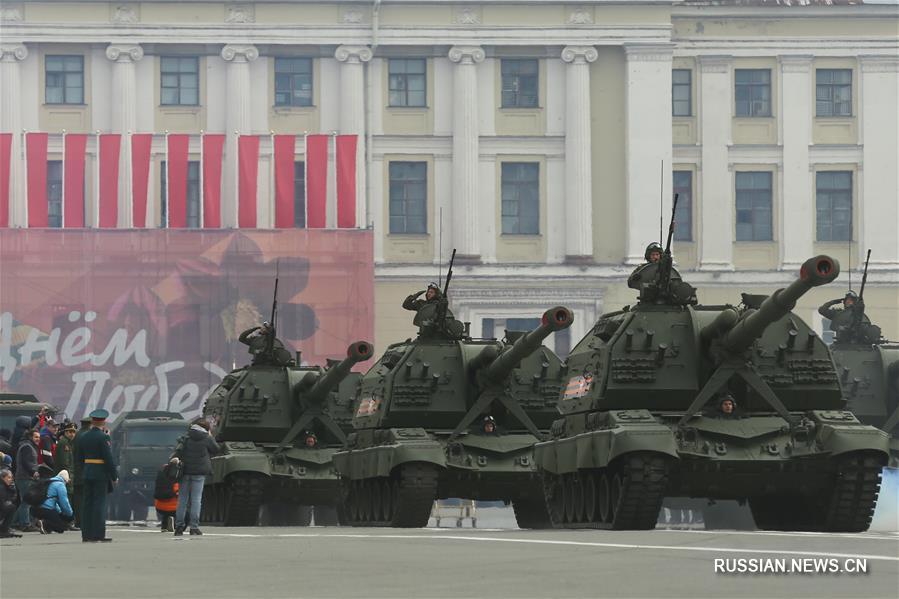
639,424
452,418
279,427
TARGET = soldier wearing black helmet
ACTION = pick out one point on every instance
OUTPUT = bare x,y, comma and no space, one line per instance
264,349
850,323
647,280
432,314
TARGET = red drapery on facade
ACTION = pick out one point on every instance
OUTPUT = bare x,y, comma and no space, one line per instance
140,176
346,181
176,180
73,184
213,147
316,180
36,155
247,173
110,145
285,150
5,172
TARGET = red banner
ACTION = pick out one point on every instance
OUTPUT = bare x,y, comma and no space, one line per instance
213,147
285,150
5,179
150,318
73,186
346,181
316,181
141,144
36,156
176,180
247,172
110,145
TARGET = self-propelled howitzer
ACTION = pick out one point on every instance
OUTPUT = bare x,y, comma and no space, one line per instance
279,427
644,418
439,418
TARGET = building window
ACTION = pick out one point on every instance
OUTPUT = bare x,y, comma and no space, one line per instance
408,197
521,198
293,82
299,195
179,78
520,83
683,187
193,195
753,92
407,82
681,92
834,205
754,206
54,193
833,92
64,82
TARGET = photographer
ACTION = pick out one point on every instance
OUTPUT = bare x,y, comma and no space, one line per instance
193,452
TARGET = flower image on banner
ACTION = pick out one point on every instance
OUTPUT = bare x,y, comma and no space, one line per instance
150,319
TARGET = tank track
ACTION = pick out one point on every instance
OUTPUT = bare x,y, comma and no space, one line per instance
531,513
235,502
626,495
402,500
847,507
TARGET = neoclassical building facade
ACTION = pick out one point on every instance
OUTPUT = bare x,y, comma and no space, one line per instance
544,141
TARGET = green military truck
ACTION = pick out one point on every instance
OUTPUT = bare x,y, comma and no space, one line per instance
13,405
142,441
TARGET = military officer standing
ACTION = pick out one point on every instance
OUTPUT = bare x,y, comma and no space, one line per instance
100,474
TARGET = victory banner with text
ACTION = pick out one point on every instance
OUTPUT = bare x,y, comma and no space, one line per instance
150,319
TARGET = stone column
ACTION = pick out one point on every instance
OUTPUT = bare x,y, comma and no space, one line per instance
124,118
648,144
716,220
879,197
11,55
798,203
578,157
237,120
465,221
352,113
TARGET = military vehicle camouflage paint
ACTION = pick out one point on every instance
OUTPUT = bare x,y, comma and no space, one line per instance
279,427
142,442
634,431
423,423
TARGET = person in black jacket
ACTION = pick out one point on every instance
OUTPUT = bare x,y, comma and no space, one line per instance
193,451
9,503
26,474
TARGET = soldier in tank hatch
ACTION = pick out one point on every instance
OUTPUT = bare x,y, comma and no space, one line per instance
264,349
648,279
850,322
432,314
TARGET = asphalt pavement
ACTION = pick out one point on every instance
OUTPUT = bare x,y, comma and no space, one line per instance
450,562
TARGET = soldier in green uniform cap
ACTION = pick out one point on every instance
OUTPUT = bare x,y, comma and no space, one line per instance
78,471
265,349
100,474
850,323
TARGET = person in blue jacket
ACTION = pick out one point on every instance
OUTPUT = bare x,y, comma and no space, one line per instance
55,513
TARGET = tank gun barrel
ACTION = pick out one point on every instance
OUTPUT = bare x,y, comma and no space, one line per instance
814,272
554,319
326,382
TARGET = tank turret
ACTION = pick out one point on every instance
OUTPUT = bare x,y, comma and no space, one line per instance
554,319
815,272
721,403
315,386
279,426
442,417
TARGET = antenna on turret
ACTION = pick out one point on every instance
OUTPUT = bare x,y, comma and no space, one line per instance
861,290
440,248
661,198
271,340
850,263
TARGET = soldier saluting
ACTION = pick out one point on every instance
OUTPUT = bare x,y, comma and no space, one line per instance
850,323
432,314
264,346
